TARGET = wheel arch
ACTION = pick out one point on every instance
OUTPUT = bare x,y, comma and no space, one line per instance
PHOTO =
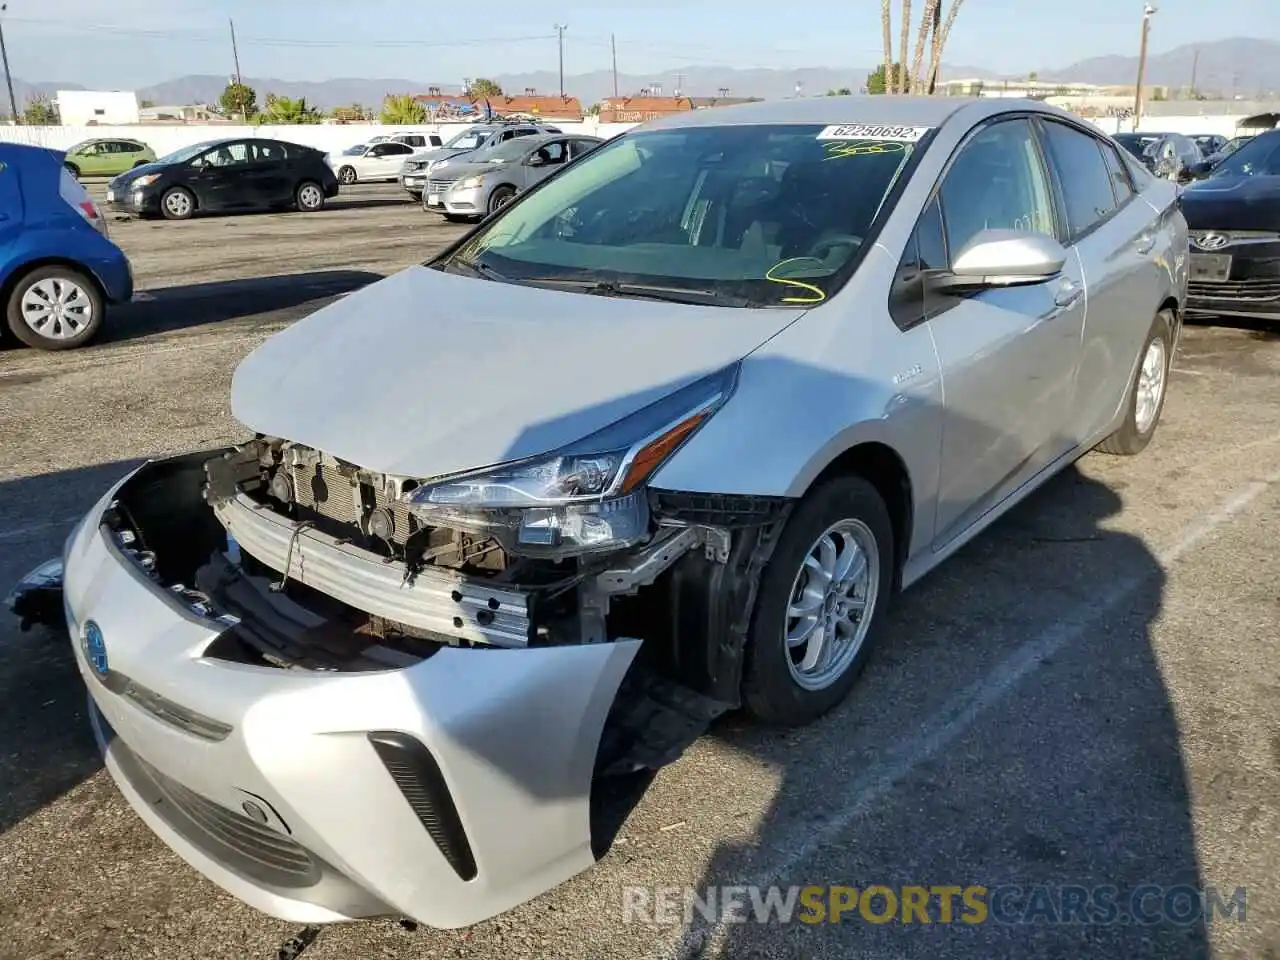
884,468
15,275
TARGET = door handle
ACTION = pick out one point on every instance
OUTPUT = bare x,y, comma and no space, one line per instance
1145,243
1068,293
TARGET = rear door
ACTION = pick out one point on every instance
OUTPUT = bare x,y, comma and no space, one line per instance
268,174
1114,234
1008,354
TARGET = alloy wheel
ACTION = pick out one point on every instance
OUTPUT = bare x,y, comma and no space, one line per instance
1151,381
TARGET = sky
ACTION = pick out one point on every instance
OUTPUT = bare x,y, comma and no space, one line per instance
132,43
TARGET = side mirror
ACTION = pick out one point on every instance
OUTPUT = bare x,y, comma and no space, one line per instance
1005,258
537,160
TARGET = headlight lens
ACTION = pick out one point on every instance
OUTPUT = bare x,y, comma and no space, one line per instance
146,181
470,183
586,497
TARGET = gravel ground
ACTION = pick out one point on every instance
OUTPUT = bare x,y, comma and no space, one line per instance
1086,695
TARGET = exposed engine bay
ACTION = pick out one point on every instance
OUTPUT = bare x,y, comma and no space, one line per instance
313,563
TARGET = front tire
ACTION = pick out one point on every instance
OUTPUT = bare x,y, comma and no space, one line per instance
500,197
347,176
55,308
178,203
821,603
1145,400
309,197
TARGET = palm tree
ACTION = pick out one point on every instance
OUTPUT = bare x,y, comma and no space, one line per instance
904,80
927,23
886,28
940,42
402,109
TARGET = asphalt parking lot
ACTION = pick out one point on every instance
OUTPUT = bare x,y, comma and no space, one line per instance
1087,695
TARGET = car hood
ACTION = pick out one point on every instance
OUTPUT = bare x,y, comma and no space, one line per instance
461,168
427,373
436,153
1232,203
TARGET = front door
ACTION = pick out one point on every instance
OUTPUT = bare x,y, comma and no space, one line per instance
551,157
1008,355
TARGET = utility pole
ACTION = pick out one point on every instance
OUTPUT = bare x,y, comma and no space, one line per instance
679,83
1195,66
1147,11
560,28
613,48
235,56
13,101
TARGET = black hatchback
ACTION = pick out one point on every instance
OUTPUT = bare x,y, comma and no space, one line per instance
226,175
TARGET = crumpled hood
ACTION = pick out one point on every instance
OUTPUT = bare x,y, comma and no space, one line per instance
427,373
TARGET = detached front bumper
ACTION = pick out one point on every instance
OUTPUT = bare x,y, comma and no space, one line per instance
447,791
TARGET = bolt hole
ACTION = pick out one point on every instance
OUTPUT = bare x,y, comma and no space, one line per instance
493,603
457,596
484,617
457,622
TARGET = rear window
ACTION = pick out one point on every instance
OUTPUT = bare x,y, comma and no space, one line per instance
760,215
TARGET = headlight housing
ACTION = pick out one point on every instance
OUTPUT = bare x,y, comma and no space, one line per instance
587,497
469,183
146,181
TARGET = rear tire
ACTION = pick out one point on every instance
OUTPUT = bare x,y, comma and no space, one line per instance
347,176
1144,401
33,320
309,197
821,604
177,203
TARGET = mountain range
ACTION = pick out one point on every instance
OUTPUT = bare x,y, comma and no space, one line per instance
1238,66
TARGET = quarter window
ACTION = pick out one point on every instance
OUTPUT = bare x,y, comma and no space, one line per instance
1120,182
1085,177
997,182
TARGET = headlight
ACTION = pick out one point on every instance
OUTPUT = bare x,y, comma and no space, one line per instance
470,183
146,181
586,497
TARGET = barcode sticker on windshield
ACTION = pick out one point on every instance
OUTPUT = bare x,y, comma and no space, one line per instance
871,131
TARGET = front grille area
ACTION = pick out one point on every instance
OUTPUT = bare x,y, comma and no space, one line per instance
1261,290
439,186
242,845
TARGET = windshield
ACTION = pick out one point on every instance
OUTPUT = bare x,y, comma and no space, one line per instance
186,153
747,215
504,152
354,151
467,140
1234,144
1251,159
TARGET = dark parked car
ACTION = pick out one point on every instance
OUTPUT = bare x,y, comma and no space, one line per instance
1211,160
1234,221
220,175
1167,155
1209,143
58,268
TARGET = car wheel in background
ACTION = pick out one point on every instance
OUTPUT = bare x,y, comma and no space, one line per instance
821,603
75,171
347,175
500,197
177,204
1145,400
309,197
55,308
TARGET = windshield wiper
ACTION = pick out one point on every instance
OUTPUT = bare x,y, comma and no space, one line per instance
480,269
642,291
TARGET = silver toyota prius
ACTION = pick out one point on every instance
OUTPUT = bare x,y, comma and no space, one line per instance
661,439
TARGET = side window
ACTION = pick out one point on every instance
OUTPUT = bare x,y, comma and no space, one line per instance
397,149
506,135
1120,182
227,155
997,182
553,152
268,152
931,243
926,251
1085,178
578,147
378,150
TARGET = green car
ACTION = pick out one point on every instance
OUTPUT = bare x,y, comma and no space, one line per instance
107,158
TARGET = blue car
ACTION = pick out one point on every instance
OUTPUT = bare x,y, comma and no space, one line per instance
58,268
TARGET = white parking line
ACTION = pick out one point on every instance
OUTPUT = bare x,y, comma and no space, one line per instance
958,715
19,533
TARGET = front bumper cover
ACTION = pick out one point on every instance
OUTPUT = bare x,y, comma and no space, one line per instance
301,778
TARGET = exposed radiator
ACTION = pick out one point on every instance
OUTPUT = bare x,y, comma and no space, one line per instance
323,487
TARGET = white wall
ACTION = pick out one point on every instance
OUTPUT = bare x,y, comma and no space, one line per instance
331,137
327,137
79,107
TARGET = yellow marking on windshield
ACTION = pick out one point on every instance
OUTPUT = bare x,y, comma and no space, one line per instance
818,294
839,149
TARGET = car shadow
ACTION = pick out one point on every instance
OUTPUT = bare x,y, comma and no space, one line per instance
1051,776
46,747
1256,327
193,305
